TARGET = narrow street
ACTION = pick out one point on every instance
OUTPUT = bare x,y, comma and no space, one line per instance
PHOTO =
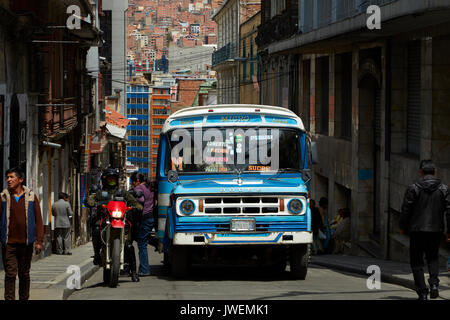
239,283
311,126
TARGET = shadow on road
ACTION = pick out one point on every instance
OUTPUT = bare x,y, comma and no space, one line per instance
225,273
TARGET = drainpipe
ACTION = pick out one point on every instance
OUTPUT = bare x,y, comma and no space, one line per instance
388,142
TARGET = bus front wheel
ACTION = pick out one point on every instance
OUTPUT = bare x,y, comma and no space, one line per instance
179,263
299,261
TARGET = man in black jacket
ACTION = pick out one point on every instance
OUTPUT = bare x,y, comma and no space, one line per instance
423,209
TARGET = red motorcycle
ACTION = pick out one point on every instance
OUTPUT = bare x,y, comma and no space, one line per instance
114,232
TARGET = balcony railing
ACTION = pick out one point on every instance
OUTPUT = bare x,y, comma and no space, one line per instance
278,28
223,54
318,14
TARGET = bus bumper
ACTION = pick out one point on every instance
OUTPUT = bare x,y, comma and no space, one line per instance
263,238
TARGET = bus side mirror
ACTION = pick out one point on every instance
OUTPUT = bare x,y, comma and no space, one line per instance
314,156
306,175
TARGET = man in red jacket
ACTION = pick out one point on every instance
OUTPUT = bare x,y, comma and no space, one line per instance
21,230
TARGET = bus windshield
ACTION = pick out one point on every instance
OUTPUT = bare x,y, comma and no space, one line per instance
231,150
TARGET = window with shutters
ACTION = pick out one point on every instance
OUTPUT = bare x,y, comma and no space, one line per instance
414,98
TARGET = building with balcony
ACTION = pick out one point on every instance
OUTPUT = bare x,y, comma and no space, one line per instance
225,60
47,109
375,101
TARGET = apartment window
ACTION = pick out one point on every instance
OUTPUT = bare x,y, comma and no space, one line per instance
160,111
277,6
414,98
158,121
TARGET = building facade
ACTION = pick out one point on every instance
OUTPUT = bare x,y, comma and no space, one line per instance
139,129
113,22
160,111
376,102
249,67
47,103
225,60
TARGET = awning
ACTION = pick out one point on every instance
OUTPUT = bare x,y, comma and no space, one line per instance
116,131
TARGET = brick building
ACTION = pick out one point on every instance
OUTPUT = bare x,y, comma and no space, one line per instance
376,102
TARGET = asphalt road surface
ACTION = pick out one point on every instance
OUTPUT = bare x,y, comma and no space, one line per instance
239,283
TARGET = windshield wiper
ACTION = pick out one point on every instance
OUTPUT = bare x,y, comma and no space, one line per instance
284,170
288,170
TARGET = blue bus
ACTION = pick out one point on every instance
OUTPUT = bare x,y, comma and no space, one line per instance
233,185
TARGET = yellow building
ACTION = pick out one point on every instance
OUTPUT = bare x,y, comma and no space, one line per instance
248,69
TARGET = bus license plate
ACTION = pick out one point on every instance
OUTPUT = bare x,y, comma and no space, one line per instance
239,225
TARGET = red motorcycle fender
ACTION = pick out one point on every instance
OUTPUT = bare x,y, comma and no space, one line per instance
117,224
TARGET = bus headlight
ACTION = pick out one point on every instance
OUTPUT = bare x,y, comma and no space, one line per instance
187,207
295,206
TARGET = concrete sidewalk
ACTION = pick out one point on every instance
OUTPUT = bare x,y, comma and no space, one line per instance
391,272
49,275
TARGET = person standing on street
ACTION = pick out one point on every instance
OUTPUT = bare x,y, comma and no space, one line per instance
316,225
323,208
62,212
424,205
147,221
21,230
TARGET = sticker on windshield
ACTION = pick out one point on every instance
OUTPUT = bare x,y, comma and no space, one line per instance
259,168
216,144
266,137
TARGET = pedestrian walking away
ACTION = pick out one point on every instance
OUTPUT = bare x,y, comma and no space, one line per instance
147,200
21,230
62,212
425,204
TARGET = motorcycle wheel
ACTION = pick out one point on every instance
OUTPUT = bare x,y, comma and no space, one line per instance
115,263
106,275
